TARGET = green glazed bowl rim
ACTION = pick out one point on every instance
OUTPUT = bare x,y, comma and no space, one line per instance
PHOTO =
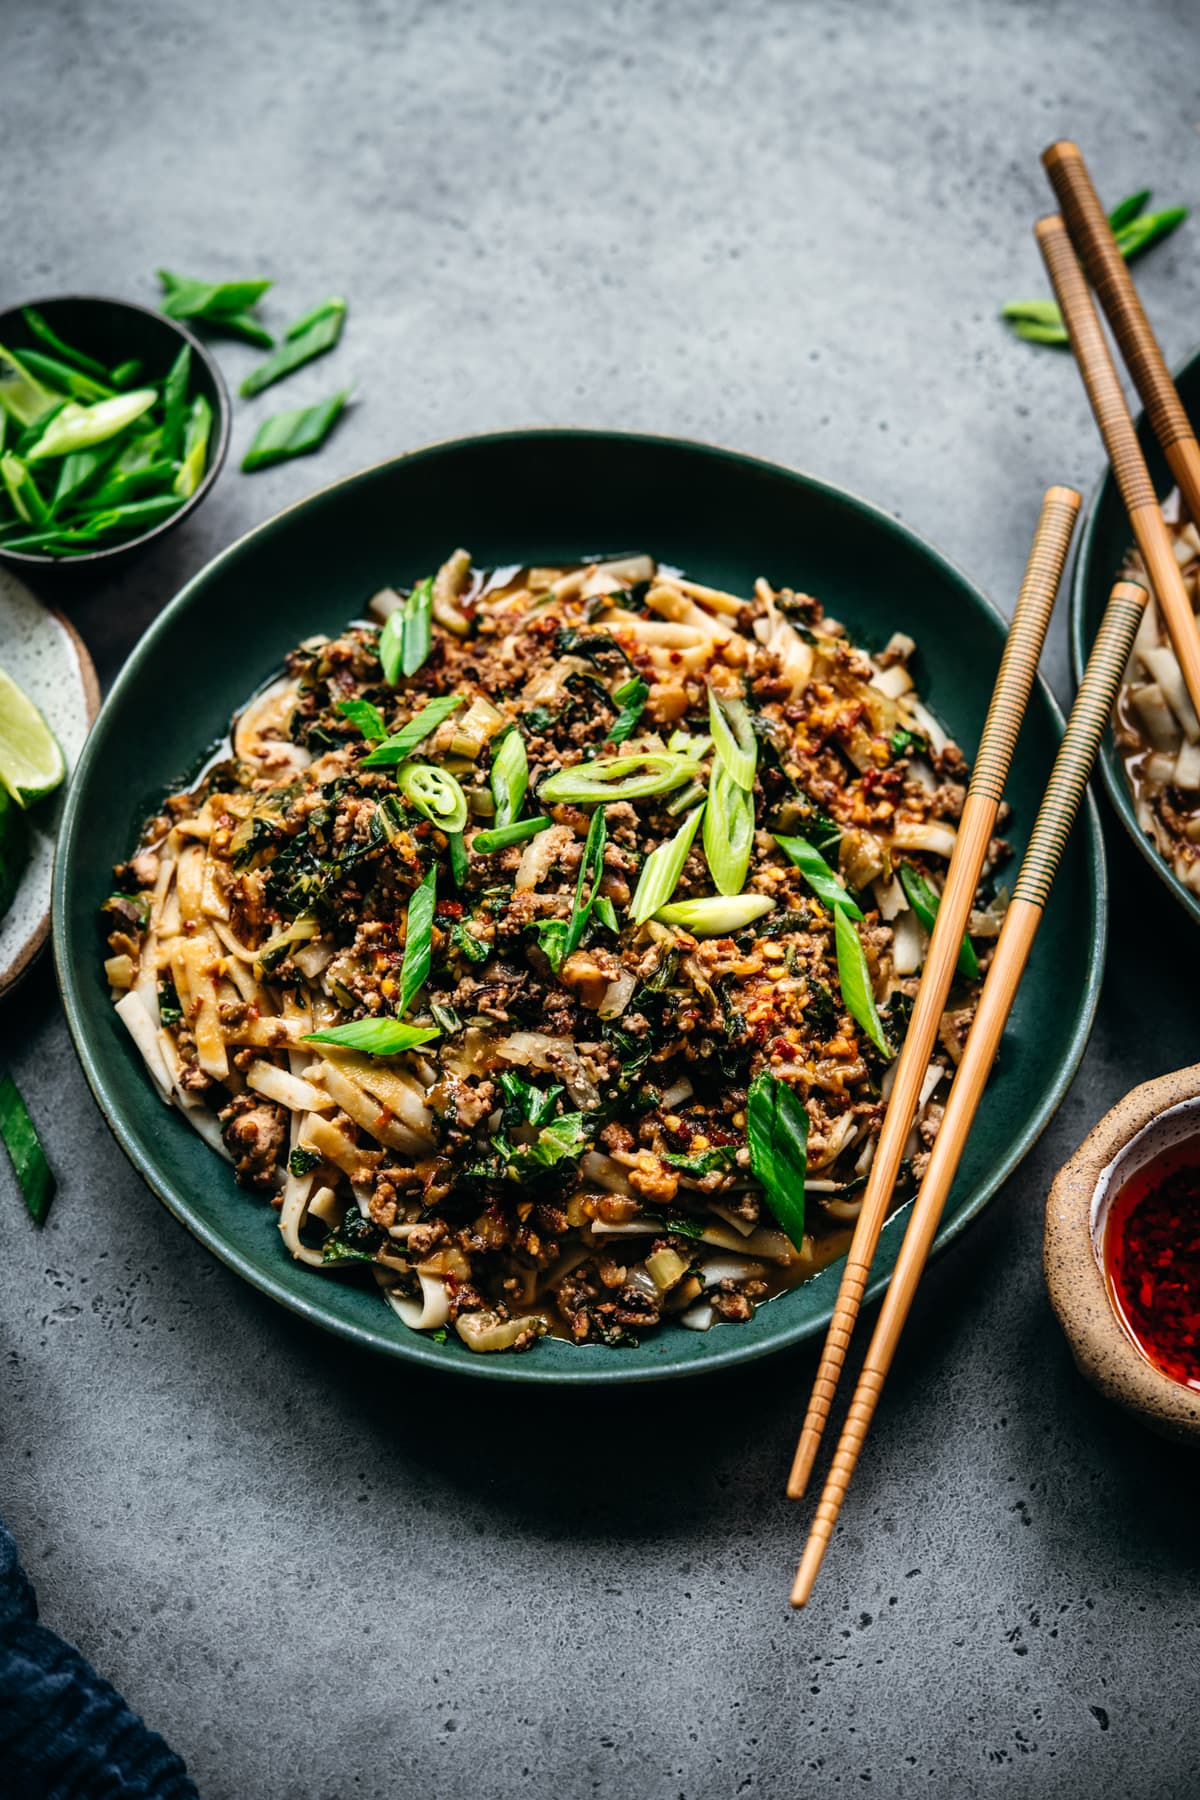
1082,577
411,1347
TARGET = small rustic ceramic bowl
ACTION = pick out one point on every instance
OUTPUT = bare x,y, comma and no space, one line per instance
1150,1119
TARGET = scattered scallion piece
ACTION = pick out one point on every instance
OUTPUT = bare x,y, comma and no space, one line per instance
295,433
378,1037
728,830
500,837
619,778
221,305
459,861
510,777
418,937
661,870
777,1133
819,876
368,719
733,737
434,792
716,915
855,980
314,334
591,868
631,697
25,1150
402,743
925,903
1135,231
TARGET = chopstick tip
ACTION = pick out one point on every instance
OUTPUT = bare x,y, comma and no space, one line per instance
1059,151
1063,496
1049,226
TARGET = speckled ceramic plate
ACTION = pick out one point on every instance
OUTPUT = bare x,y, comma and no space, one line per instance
47,657
1106,538
547,496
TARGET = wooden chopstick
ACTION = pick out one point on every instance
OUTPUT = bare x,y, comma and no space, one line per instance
1124,452
1018,666
1072,767
1092,235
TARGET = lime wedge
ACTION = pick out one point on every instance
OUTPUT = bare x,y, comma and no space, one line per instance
14,849
31,763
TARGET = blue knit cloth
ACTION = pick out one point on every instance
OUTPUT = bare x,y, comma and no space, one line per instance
65,1734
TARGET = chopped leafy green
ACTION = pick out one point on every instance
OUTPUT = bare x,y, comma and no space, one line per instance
631,697
526,1104
302,1162
703,1162
777,1132
464,940
367,717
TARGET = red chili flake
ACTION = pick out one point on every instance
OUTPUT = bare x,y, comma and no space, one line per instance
1152,1260
449,909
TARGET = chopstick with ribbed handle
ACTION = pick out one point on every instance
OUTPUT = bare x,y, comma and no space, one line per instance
1107,399
1018,667
1064,793
1092,236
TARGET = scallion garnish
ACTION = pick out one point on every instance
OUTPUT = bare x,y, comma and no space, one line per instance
777,1133
295,433
925,903
733,736
819,876
1135,231
378,1037
418,937
225,306
728,830
407,635
510,777
631,697
661,870
855,980
499,837
591,867
716,915
314,334
434,792
367,717
402,743
619,778
459,863
24,1148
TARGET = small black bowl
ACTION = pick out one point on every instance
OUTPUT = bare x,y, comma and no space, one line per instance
116,331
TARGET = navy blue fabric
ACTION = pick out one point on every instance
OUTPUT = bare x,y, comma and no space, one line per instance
65,1734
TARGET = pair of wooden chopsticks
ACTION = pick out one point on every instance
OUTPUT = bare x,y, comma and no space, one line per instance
1068,780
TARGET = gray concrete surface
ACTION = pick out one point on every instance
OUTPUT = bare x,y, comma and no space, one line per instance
783,226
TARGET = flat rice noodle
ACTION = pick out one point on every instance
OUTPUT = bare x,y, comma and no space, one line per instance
373,1114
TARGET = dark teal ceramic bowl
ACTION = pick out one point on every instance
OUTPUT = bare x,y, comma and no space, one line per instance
546,496
1102,547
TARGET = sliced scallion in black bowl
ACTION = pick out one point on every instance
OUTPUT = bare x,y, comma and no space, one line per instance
114,422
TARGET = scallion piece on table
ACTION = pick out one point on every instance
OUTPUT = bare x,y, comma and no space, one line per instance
619,778
418,938
501,836
377,1037
509,776
661,870
777,1133
925,903
222,305
401,744
728,830
295,433
25,1150
314,334
1135,231
630,697
733,737
819,876
855,980
434,792
716,915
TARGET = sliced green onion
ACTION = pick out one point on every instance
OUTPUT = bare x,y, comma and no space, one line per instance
510,777
484,842
459,864
418,938
295,433
925,903
186,298
717,915
777,1133
1142,234
24,1147
407,635
686,744
631,697
1128,209
22,398
687,796
819,876
855,980
604,910
80,427
591,867
368,718
66,379
434,792
23,490
378,1037
728,830
195,448
125,373
394,749
41,329
733,736
314,334
661,870
619,778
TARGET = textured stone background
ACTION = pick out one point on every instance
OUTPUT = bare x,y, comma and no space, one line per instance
786,227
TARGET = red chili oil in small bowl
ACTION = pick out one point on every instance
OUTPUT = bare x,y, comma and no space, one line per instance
1152,1260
